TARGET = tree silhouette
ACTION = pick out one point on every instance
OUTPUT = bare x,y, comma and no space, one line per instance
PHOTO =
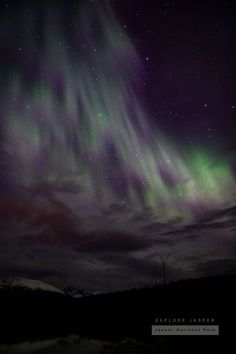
164,270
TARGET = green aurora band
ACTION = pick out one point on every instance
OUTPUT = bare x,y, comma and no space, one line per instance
81,124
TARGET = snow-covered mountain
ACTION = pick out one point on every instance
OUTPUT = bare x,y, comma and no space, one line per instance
72,291
28,284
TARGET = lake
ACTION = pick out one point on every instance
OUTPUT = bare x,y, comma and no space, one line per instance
76,345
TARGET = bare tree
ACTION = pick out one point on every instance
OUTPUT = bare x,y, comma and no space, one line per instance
164,270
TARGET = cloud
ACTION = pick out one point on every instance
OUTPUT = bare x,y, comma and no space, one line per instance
153,227
13,209
224,219
58,229
54,220
54,245
216,266
112,241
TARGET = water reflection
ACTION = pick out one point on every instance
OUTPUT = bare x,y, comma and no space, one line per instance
68,345
75,345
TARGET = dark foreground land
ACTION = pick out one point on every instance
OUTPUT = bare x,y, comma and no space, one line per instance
39,314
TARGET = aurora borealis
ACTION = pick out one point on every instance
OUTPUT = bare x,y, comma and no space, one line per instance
89,172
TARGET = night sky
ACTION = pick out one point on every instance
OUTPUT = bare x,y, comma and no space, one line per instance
117,140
